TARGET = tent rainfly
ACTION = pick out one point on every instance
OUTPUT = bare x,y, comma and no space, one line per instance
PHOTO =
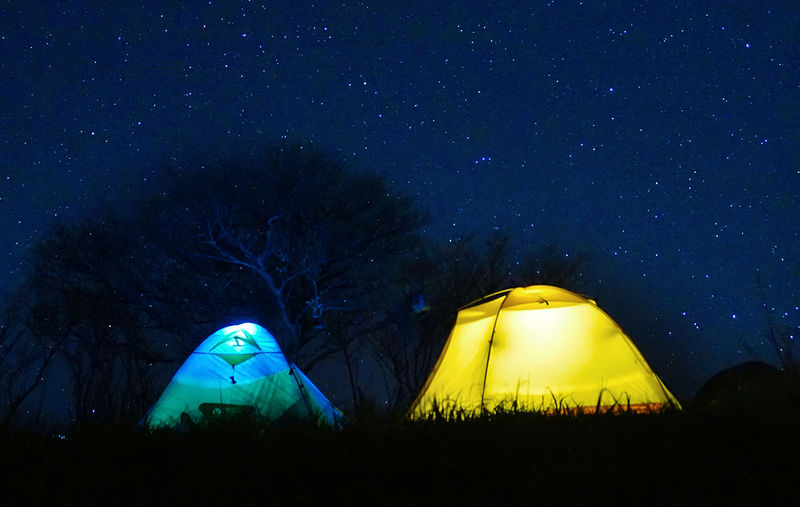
539,348
240,370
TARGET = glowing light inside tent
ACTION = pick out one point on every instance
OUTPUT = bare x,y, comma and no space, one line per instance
538,347
240,370
236,344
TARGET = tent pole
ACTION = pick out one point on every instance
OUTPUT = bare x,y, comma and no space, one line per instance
300,385
489,352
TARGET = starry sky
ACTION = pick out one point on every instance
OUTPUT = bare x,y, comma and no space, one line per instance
663,138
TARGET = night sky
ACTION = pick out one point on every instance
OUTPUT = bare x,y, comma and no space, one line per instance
662,138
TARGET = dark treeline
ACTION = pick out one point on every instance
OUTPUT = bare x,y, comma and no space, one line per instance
333,261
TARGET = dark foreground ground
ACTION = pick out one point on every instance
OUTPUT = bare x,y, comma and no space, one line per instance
745,456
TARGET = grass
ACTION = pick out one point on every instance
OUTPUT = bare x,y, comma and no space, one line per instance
497,459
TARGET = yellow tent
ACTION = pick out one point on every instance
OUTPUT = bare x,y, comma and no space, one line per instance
539,348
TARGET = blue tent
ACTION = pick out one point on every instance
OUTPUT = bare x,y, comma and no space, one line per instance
240,371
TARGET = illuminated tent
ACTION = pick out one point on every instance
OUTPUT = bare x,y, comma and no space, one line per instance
240,371
539,348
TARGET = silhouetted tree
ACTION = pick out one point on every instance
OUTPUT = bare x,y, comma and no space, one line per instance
25,355
85,300
292,239
318,240
781,338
